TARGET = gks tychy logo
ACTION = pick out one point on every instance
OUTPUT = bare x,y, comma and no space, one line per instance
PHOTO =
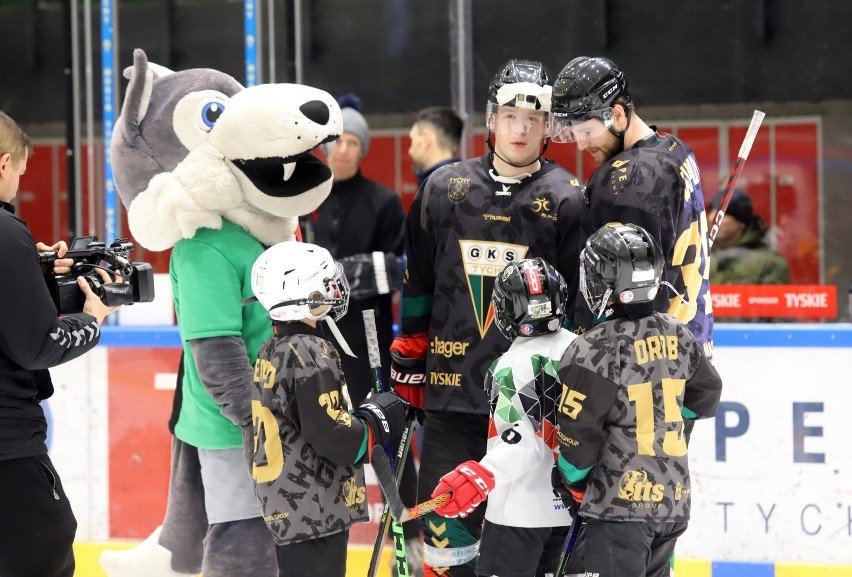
483,260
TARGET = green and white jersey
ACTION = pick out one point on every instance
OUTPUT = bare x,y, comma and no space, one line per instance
522,446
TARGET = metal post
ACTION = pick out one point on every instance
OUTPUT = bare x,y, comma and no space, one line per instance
461,68
250,33
90,118
109,49
72,120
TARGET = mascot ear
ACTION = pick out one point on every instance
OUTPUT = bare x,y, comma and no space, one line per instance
141,75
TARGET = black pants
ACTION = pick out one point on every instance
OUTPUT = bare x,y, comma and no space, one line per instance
629,549
325,556
450,439
37,526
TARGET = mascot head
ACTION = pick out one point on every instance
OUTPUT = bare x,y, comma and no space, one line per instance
193,147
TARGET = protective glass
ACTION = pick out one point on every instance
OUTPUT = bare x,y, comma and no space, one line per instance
511,120
573,129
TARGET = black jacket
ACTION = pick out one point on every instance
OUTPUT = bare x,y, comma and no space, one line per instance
32,339
360,216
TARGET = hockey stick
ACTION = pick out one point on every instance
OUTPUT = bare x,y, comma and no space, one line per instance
400,512
570,543
745,148
385,522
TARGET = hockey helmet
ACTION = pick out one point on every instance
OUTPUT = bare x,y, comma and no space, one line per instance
522,84
620,262
584,93
291,278
529,299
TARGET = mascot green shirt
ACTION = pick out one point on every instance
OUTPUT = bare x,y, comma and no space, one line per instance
206,310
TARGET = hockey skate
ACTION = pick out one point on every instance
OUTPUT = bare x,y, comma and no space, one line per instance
148,559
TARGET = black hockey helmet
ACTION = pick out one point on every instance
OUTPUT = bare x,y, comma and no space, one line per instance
622,263
587,88
525,73
529,299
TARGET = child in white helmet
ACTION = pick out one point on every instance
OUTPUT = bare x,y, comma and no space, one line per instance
308,445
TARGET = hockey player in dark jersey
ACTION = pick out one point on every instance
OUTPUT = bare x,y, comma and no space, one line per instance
307,445
647,177
467,222
525,523
628,385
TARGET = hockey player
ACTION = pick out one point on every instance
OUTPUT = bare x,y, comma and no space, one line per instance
646,177
467,222
525,523
307,446
627,387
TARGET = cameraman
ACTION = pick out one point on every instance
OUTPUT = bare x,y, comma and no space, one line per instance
37,525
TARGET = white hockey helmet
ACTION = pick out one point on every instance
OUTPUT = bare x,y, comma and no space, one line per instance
291,278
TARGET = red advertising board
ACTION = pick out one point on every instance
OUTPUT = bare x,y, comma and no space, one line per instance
775,301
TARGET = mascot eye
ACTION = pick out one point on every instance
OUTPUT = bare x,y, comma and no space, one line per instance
211,112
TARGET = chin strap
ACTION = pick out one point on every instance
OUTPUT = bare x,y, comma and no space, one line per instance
338,336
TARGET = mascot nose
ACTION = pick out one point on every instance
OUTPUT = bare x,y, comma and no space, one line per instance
316,111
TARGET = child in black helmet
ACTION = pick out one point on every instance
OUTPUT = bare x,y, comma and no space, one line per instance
525,522
628,385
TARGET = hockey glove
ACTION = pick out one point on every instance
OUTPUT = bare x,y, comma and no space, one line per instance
372,273
470,484
385,414
570,498
408,367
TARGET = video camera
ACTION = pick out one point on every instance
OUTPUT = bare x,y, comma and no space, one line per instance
88,254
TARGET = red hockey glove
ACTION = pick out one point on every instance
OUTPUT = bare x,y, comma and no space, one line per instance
408,367
470,484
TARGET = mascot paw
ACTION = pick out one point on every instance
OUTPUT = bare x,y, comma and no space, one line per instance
148,559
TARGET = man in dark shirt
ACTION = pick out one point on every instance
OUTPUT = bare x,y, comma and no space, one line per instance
435,140
37,525
361,224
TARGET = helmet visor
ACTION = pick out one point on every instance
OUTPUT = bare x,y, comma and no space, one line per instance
514,121
338,292
576,128
594,289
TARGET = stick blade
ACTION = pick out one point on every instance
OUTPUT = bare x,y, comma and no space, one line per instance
384,473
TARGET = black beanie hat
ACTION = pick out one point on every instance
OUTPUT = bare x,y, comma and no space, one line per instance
739,207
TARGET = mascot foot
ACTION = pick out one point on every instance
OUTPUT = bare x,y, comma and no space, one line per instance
148,559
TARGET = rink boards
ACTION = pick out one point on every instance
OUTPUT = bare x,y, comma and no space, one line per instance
772,475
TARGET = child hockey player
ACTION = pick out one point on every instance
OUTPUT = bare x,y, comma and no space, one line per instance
307,446
627,386
525,521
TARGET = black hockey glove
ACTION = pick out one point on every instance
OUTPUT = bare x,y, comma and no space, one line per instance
385,414
561,491
372,273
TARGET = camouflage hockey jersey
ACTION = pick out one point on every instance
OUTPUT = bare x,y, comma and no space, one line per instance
626,388
522,449
656,185
463,228
305,440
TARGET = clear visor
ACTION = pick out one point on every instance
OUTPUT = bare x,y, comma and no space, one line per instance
594,290
511,120
574,129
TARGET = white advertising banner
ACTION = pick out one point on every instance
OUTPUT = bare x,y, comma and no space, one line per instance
772,475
